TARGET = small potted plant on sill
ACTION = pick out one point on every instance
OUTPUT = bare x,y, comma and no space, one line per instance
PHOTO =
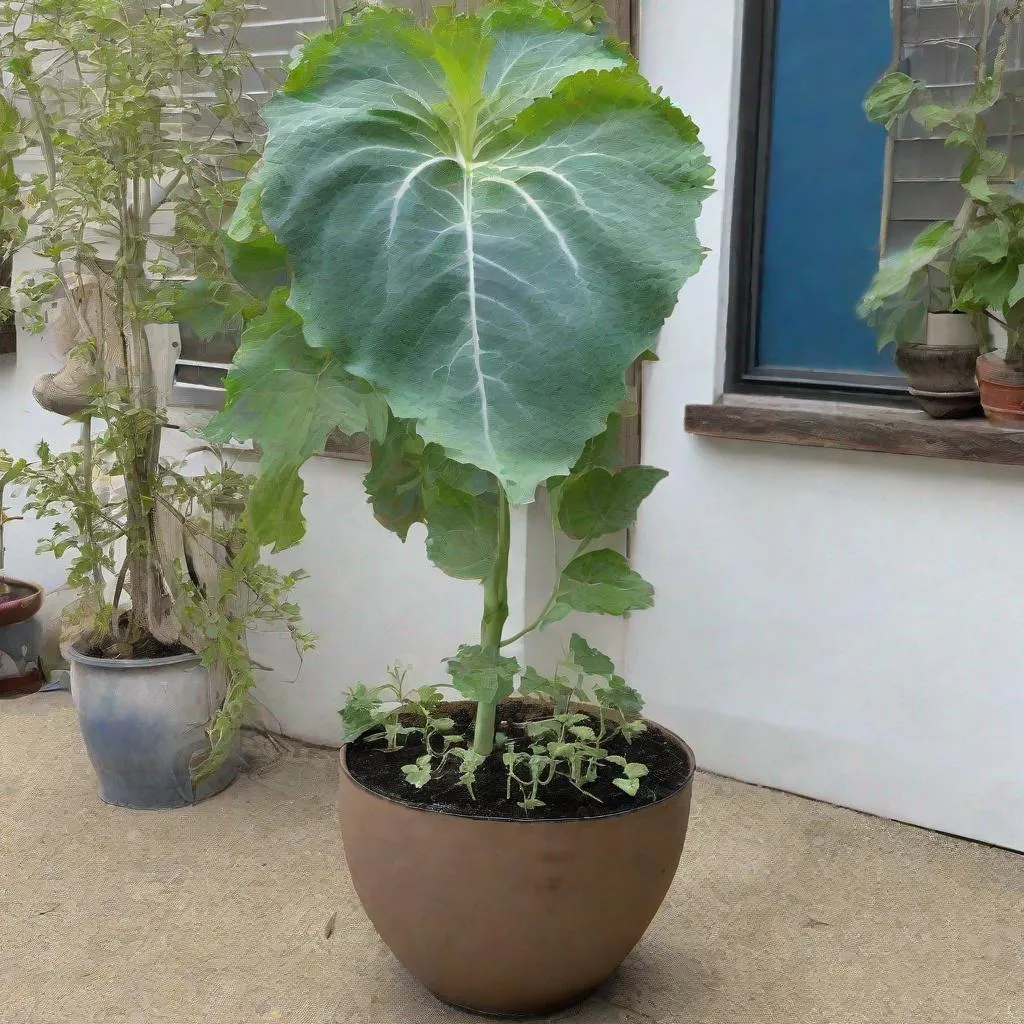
487,220
973,265
936,348
132,200
20,669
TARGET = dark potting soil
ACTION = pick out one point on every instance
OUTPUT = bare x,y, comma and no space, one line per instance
145,647
380,771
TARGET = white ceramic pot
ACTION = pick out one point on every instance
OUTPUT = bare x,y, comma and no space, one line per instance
144,722
950,330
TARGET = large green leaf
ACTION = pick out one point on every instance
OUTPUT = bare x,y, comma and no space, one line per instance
287,398
988,287
987,243
889,97
897,301
394,484
462,531
897,271
597,502
601,581
590,659
488,220
1017,292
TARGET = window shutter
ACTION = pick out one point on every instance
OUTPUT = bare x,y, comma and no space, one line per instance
271,32
934,43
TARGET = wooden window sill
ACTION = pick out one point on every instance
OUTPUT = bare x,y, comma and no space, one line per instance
862,428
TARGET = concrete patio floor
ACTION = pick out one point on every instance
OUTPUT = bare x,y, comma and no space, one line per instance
784,911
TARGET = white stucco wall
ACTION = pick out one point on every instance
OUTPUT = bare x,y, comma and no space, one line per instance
842,625
372,601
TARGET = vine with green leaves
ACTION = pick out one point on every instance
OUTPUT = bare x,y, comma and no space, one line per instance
227,590
145,130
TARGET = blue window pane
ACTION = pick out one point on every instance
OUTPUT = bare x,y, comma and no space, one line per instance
825,177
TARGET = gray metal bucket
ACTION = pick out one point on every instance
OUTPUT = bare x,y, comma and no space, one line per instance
143,722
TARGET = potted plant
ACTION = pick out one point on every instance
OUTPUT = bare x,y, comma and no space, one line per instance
145,139
20,669
970,266
487,220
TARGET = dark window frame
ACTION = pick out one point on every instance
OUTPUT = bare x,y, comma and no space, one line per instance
742,375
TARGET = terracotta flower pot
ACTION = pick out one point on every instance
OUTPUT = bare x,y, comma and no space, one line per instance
1002,389
19,600
511,917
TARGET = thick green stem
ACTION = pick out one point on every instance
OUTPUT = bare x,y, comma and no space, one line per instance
493,622
45,139
982,329
1015,344
87,490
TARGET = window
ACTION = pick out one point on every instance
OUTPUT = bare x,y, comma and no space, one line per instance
820,189
201,367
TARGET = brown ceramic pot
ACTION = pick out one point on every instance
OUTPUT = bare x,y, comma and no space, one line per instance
1002,389
941,378
511,917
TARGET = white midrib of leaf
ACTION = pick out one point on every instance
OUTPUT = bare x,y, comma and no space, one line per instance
474,323
497,177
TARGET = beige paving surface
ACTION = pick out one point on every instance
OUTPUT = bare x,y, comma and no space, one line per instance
784,911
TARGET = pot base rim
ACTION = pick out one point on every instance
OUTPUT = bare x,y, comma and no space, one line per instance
528,1015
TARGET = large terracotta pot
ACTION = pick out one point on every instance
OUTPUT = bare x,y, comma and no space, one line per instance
511,917
1002,389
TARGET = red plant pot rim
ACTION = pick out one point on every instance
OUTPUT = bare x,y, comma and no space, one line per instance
14,609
